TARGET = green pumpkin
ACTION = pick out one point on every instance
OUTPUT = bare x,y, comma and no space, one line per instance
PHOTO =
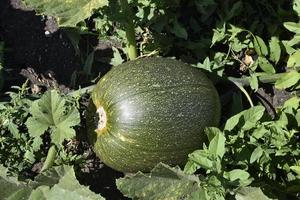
151,110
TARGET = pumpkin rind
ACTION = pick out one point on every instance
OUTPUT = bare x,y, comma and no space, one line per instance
156,110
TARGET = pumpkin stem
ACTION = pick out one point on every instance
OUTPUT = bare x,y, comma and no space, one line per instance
129,29
102,118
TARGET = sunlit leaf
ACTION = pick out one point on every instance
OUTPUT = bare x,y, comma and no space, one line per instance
219,34
67,13
292,26
217,145
51,112
237,174
288,80
296,6
162,183
294,60
247,118
256,154
53,184
265,65
253,82
117,58
260,46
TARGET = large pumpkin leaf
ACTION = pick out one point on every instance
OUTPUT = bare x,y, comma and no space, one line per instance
163,182
67,13
51,111
11,188
250,193
56,183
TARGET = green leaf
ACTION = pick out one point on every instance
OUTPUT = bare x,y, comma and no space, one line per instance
296,169
67,13
202,158
247,118
292,42
250,193
211,132
288,47
265,65
253,82
117,58
87,68
292,26
162,183
288,80
297,117
69,187
256,154
293,102
11,188
237,175
191,167
234,31
179,30
234,11
217,145
36,144
52,112
259,132
294,60
275,50
53,184
296,6
260,46
219,34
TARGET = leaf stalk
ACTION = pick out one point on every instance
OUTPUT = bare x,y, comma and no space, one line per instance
129,29
52,152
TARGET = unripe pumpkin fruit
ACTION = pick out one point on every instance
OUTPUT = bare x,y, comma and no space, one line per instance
150,110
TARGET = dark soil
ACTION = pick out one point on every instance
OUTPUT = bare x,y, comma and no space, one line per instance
28,47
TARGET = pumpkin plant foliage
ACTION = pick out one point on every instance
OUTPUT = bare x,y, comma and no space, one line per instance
67,13
52,112
241,160
54,184
250,157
